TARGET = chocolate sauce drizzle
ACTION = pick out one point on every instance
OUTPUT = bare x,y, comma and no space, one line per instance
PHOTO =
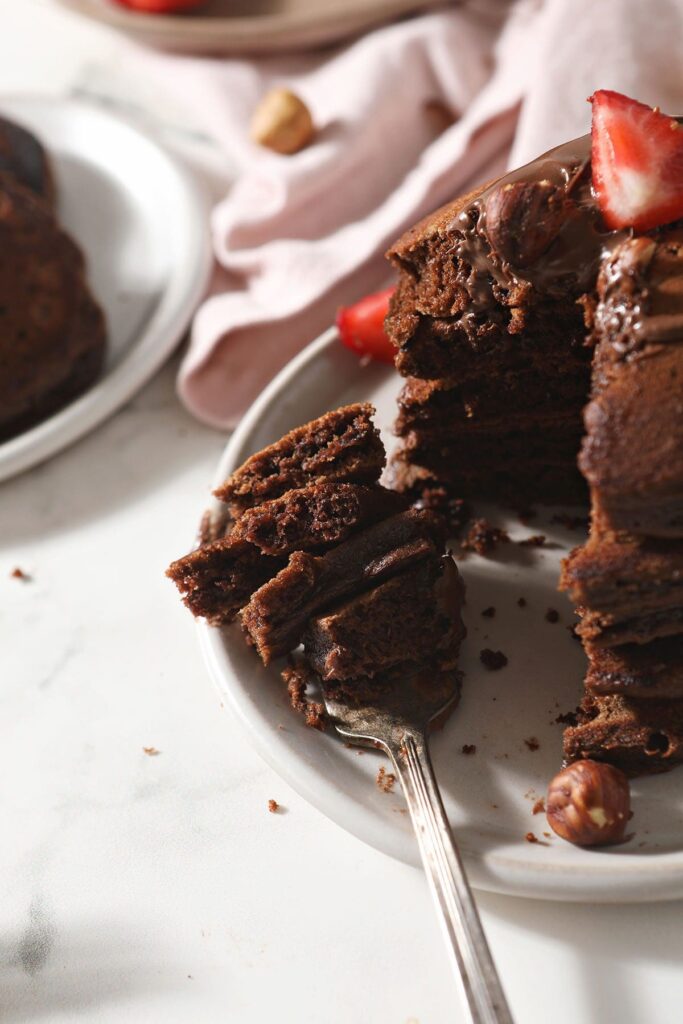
642,296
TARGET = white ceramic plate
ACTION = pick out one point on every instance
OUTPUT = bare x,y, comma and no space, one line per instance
143,224
236,26
489,794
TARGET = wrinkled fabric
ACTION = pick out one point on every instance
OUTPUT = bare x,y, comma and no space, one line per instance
407,117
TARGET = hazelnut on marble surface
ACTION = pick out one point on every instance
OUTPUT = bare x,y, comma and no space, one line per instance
282,122
589,804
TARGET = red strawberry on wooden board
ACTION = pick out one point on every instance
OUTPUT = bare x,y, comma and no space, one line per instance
361,326
637,162
161,6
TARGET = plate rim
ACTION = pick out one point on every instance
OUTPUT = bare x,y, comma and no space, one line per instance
169,319
193,24
266,32
658,877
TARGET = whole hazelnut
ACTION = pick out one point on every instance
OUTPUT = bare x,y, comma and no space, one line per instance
589,804
282,122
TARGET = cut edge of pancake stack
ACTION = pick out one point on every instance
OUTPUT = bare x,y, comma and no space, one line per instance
481,325
502,333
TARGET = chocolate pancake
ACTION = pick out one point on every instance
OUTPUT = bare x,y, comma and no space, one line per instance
632,455
626,591
276,617
315,517
651,671
416,616
639,736
218,578
342,446
516,309
52,331
23,158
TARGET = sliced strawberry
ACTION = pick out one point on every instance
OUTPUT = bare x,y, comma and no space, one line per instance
361,327
161,6
637,162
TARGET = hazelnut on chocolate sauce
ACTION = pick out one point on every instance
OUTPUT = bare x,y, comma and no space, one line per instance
589,804
522,218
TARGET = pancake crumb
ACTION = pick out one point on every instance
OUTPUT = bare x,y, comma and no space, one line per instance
296,678
273,806
536,540
385,780
492,660
483,538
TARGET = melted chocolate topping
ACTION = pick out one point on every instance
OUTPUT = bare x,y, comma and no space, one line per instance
641,281
641,293
571,260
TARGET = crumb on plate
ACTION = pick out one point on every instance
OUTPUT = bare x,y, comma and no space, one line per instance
492,660
536,540
483,538
385,780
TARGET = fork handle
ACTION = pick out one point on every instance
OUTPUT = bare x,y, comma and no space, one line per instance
448,883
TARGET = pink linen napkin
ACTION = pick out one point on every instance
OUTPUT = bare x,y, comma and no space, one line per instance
297,236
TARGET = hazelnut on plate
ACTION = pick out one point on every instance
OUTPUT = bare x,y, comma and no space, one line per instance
282,122
589,804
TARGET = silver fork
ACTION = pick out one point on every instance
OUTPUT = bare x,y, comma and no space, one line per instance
397,723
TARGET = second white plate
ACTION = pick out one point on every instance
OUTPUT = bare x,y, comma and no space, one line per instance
230,27
490,794
143,223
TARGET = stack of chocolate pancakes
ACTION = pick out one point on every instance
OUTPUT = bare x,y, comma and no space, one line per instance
627,580
490,334
311,550
516,306
52,331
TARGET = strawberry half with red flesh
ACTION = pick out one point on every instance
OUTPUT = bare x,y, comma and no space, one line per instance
361,327
637,162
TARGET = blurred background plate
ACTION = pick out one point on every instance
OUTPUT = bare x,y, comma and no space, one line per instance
148,270
238,26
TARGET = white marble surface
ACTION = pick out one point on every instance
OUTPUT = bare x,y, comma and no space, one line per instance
159,888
